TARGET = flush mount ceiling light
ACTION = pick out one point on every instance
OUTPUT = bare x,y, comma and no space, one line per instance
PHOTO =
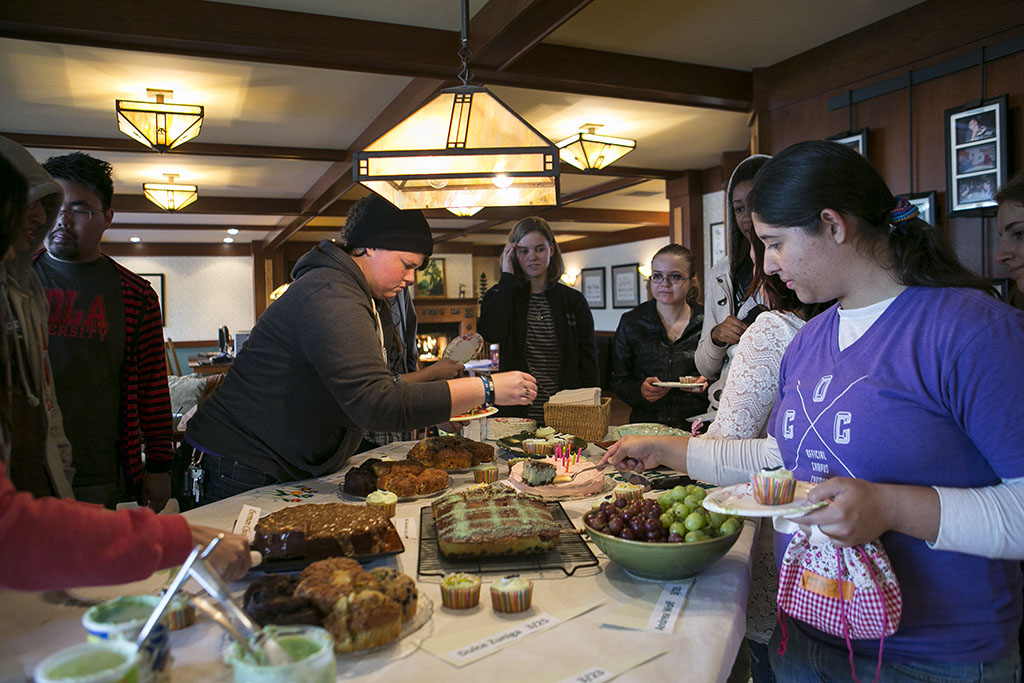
158,124
170,196
588,151
463,150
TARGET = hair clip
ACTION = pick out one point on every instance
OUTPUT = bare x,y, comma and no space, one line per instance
903,212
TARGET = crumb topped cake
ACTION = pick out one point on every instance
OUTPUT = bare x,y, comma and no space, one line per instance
490,521
314,531
451,452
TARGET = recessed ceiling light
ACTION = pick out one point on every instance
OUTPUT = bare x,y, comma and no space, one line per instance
232,231
228,240
134,239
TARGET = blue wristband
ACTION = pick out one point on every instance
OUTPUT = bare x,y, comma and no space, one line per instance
488,396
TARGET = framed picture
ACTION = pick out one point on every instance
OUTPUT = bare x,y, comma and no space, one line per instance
592,285
925,203
157,280
976,155
857,140
430,282
626,286
718,248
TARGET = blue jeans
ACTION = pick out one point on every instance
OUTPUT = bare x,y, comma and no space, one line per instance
225,478
811,661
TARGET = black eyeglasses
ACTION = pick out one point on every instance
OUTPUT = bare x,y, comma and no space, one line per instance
77,215
674,278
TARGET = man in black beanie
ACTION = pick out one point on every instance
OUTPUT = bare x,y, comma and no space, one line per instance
315,372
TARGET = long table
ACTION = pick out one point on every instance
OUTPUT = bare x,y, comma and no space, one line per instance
702,647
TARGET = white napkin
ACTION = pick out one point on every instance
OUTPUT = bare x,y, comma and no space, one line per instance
590,396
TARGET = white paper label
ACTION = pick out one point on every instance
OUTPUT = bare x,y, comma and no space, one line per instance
591,675
509,636
407,527
666,610
245,525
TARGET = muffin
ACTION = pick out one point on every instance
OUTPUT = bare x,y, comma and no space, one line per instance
511,594
773,486
460,591
628,491
538,472
383,499
486,473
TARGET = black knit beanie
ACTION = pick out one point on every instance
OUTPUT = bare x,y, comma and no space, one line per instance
382,225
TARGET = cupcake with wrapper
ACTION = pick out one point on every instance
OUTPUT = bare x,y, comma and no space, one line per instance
383,499
628,491
485,473
511,594
460,590
773,486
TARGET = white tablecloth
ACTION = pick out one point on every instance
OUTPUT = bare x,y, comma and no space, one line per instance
702,648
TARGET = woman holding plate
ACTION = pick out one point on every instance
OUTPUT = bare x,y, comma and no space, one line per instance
542,326
315,371
655,343
896,411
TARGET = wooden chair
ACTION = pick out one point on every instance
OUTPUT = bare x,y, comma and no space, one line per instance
172,358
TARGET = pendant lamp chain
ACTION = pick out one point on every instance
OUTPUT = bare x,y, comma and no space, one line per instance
464,52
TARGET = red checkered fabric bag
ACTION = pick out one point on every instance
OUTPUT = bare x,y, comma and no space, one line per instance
848,592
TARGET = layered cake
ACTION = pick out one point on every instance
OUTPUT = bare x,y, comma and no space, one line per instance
451,452
315,531
561,484
490,521
501,427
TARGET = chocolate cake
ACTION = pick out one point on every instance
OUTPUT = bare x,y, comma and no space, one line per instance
271,600
451,452
490,521
404,478
315,531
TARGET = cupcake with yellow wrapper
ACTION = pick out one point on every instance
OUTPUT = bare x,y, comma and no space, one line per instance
773,486
485,473
511,594
628,491
460,590
383,499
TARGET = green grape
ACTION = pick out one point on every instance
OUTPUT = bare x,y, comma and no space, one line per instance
692,501
699,493
717,519
667,519
677,528
665,500
694,521
678,493
681,511
694,536
729,526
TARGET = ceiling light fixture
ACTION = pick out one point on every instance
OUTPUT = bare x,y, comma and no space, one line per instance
464,148
588,151
227,240
570,277
159,125
645,271
134,240
232,231
170,196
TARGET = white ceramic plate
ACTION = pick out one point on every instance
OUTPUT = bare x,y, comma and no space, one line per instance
468,416
464,348
647,429
679,385
739,500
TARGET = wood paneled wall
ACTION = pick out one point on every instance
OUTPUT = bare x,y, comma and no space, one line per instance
791,100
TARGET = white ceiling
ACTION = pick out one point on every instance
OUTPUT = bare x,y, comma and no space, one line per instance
69,90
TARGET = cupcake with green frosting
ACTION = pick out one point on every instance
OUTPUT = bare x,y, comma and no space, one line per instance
383,499
460,590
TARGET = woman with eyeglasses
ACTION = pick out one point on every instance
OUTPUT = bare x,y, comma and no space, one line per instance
542,326
656,341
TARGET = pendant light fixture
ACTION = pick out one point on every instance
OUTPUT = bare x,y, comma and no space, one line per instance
463,150
159,125
170,196
589,151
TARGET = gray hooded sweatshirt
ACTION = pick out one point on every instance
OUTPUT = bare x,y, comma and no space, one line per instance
27,299
312,378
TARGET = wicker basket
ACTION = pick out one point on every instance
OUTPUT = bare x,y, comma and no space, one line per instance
586,422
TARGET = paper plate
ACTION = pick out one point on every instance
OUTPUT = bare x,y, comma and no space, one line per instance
679,385
463,348
739,500
474,416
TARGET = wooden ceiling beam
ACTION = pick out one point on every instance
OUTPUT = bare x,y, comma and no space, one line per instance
248,206
599,190
211,149
207,227
612,238
512,58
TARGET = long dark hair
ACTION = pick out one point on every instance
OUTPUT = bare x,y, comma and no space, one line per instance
739,248
13,202
556,266
674,249
799,183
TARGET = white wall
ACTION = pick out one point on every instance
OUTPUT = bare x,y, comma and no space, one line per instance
714,207
201,293
607,319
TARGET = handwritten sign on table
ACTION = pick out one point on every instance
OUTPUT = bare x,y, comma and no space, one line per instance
613,664
656,610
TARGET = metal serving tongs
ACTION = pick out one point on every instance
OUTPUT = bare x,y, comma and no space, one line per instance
251,636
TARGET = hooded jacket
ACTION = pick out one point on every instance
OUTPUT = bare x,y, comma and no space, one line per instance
312,378
28,303
711,359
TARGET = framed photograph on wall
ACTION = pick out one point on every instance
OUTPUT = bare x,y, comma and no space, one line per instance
857,140
626,286
430,282
925,203
976,155
718,248
157,280
592,286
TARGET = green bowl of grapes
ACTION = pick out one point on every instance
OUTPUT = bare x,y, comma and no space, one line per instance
665,538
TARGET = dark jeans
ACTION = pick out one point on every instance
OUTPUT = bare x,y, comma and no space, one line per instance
225,478
760,663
